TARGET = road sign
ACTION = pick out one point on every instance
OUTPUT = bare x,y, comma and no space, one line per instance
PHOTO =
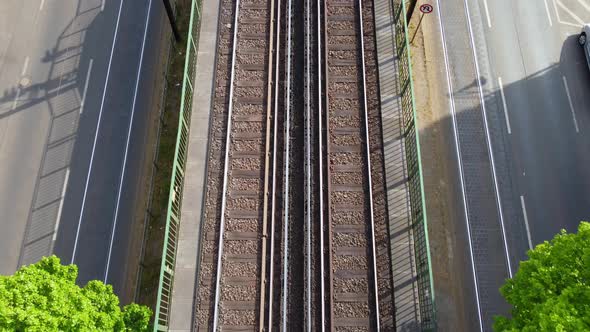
426,8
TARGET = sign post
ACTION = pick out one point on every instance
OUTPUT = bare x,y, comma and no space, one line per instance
424,9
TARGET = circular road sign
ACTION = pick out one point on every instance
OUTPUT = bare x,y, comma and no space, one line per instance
426,8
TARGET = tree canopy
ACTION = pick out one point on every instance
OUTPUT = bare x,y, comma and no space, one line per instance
44,297
551,290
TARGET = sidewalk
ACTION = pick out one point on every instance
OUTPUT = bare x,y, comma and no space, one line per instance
185,272
407,313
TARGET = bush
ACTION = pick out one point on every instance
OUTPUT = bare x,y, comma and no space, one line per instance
44,297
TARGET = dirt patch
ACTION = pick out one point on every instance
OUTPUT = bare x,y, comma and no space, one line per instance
440,173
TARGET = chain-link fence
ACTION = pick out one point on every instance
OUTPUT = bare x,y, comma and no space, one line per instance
162,315
414,166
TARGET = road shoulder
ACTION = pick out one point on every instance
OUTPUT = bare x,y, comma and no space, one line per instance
440,176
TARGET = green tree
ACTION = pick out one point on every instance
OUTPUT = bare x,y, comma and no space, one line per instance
551,290
44,297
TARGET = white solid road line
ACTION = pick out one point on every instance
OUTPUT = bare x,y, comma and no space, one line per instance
25,67
570,12
504,105
488,139
569,99
584,4
104,92
460,163
485,6
61,204
102,5
526,222
106,273
41,5
86,85
576,25
548,14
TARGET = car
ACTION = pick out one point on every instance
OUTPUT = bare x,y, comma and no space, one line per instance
583,41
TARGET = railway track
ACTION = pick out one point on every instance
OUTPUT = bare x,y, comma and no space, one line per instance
241,261
290,230
234,260
351,294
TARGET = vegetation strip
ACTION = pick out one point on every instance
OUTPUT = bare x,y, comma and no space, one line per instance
164,164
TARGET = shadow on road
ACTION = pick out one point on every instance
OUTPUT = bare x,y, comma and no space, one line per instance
61,94
543,160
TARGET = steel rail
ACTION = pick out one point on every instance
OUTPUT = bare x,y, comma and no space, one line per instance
308,160
287,162
266,168
321,171
370,181
328,172
274,170
225,171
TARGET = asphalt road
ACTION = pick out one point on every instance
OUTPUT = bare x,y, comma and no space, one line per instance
519,86
73,124
546,87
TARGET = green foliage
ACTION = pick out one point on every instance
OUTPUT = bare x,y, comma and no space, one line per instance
551,290
44,297
136,317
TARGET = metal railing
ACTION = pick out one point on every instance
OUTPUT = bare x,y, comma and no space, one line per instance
414,168
162,315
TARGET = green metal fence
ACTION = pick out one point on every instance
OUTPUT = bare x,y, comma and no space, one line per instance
162,316
414,166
